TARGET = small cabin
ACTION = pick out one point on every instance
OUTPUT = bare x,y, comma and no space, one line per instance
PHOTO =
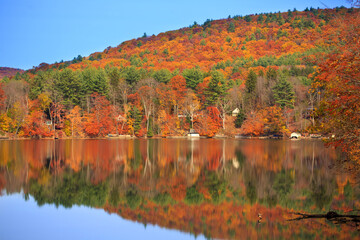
235,112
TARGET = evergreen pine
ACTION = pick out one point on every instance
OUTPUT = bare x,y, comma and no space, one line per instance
231,27
150,132
284,94
250,83
240,118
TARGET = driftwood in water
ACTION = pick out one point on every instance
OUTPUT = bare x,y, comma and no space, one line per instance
331,216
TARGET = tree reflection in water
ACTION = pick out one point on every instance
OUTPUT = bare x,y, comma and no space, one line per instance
219,188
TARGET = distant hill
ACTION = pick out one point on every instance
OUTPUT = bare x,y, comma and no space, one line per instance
265,39
9,72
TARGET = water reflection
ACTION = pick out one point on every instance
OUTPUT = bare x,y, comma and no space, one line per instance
218,188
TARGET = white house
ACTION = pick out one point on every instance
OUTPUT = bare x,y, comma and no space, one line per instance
235,112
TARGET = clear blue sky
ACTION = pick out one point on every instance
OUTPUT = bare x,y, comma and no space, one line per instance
36,31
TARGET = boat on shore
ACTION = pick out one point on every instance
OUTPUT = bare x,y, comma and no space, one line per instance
193,134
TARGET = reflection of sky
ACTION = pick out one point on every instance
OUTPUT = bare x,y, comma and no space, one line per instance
25,220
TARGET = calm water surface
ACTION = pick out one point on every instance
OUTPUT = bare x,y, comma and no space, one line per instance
172,189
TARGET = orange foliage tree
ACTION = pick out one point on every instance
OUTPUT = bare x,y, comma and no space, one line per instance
35,126
274,122
265,121
75,121
253,125
209,122
178,91
100,121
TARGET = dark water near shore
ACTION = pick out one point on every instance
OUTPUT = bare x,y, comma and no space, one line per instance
172,189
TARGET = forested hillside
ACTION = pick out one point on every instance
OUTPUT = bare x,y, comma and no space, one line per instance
10,72
266,65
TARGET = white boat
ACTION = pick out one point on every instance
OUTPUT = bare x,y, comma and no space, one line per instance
295,135
193,134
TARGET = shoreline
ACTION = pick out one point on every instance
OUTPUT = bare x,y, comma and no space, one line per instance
128,137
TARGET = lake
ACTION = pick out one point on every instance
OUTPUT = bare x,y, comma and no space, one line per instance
173,189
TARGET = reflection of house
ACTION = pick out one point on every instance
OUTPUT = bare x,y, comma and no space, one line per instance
235,112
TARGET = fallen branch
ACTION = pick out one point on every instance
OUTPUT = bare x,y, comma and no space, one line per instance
331,216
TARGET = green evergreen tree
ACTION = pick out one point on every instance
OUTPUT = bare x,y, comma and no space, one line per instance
132,75
17,76
271,74
231,27
290,14
5,79
216,88
87,80
250,83
69,84
79,58
113,74
162,76
207,24
284,94
94,80
37,84
193,77
101,84
240,118
136,115
247,18
150,132
166,52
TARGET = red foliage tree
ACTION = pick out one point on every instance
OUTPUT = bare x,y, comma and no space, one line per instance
2,97
339,76
209,122
178,91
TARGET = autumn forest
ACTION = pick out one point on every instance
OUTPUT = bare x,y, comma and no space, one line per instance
296,71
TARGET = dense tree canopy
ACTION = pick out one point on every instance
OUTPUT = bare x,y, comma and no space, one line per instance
338,77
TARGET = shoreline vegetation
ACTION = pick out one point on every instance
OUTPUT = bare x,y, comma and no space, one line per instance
268,74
